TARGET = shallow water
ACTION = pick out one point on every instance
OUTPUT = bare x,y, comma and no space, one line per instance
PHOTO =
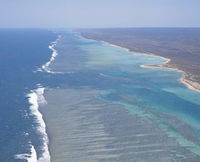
152,94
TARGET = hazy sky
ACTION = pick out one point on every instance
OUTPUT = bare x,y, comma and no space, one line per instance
99,13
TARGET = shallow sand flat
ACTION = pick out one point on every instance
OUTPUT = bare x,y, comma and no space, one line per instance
180,45
83,128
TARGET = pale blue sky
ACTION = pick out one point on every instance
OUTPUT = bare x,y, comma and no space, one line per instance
101,13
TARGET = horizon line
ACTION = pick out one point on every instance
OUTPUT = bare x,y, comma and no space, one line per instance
93,27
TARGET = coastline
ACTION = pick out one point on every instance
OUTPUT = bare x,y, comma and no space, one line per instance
185,79
74,140
190,84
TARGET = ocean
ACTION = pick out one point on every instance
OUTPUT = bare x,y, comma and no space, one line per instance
41,69
22,52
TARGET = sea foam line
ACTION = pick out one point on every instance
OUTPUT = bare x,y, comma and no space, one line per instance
36,98
32,157
45,67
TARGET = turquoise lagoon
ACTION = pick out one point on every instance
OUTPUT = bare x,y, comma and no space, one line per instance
151,93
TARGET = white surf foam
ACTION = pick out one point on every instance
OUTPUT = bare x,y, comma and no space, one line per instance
45,67
32,157
36,98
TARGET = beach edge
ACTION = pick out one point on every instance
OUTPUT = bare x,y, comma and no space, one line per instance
185,79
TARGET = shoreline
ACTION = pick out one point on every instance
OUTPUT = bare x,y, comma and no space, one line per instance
188,83
61,90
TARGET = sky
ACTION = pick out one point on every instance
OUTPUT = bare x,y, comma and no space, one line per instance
99,13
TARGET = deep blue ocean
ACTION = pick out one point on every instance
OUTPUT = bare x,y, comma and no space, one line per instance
22,51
